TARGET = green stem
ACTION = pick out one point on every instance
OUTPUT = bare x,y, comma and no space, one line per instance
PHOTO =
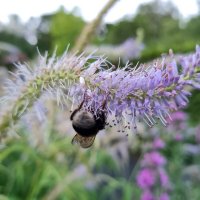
89,30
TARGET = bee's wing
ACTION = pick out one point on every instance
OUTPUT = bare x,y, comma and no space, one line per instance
84,142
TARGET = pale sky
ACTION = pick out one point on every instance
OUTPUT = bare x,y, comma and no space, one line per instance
89,8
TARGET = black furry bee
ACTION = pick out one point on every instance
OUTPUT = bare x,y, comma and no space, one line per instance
87,124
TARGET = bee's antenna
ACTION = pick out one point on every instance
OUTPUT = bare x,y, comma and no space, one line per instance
79,107
84,97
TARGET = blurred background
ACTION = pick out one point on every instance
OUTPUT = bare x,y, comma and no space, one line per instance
39,162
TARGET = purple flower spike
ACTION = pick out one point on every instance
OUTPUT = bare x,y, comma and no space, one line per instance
144,93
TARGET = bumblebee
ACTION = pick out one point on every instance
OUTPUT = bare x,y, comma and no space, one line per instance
87,124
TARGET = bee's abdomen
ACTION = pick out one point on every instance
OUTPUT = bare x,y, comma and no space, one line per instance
85,131
84,123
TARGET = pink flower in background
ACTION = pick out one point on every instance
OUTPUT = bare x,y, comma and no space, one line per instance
178,137
147,195
178,116
158,143
154,158
153,176
146,178
164,196
178,121
164,179
197,135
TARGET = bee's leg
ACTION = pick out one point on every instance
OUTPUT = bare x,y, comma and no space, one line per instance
76,110
79,107
102,114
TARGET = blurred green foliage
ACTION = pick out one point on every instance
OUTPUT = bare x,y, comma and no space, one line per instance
163,29
18,41
64,29
177,162
193,108
50,171
55,171
160,22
